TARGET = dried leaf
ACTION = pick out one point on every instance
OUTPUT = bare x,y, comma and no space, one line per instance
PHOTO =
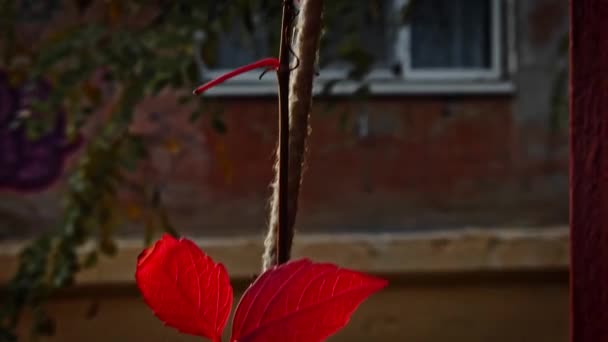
184,287
301,301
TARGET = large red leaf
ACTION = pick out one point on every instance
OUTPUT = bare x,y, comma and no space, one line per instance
184,287
300,301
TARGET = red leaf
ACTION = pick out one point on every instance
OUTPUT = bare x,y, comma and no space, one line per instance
300,301
184,287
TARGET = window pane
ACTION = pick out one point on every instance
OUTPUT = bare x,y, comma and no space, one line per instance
450,34
359,24
363,25
238,47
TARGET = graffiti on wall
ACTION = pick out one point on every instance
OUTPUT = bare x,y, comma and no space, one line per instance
28,164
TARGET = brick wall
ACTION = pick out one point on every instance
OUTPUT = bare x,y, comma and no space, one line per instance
383,164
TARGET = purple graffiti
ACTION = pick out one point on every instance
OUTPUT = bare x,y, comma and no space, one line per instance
29,164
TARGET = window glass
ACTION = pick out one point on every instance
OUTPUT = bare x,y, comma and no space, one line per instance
362,29
450,34
239,46
355,31
444,34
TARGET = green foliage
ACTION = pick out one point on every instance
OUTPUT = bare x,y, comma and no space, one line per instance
140,57
50,262
140,61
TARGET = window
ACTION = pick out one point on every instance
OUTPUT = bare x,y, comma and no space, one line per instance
450,39
239,47
441,40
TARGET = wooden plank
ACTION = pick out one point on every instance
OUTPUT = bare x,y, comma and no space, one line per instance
589,169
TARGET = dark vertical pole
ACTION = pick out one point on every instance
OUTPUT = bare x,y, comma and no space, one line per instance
284,232
589,169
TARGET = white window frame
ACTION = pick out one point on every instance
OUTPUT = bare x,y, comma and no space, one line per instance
383,80
403,48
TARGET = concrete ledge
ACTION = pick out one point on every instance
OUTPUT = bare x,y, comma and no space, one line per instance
379,88
463,250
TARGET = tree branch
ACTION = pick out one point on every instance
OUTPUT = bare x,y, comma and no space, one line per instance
300,97
278,239
299,105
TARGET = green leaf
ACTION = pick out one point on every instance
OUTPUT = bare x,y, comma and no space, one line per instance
184,99
90,260
195,115
108,247
218,124
328,87
43,324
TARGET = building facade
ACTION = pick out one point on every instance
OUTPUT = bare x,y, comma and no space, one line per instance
448,175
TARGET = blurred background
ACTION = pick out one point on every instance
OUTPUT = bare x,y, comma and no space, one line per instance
438,158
